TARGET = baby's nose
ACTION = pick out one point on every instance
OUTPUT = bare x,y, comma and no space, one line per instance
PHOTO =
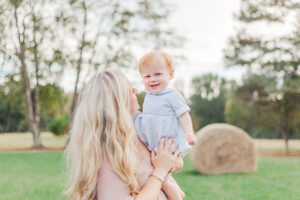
153,78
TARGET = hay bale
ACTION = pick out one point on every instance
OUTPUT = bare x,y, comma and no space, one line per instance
223,148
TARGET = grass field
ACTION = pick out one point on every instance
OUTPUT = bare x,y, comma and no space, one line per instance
23,141
275,179
16,142
31,176
40,176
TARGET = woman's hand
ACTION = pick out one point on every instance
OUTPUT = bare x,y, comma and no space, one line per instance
164,160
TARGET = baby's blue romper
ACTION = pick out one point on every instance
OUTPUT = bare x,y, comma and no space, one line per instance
160,119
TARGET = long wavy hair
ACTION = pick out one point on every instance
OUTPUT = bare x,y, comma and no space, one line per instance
102,126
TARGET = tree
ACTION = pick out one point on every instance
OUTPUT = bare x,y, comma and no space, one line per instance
208,100
276,56
27,42
12,105
247,109
107,33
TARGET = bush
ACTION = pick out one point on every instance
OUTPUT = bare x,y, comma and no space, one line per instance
59,126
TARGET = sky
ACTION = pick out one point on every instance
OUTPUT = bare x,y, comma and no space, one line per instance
206,26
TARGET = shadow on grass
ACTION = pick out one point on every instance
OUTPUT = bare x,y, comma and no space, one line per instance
193,173
196,173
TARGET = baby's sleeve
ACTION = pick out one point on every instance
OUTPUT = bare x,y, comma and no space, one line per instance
139,128
178,103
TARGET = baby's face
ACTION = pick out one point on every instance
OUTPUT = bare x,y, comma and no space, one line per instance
156,76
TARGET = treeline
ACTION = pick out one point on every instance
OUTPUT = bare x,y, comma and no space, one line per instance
214,100
54,105
218,100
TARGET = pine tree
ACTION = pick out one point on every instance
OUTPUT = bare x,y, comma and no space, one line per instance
268,52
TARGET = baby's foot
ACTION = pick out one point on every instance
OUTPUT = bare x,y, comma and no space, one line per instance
191,139
182,194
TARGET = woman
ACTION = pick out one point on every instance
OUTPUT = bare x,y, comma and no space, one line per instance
106,159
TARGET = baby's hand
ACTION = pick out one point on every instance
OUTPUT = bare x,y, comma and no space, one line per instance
190,137
178,164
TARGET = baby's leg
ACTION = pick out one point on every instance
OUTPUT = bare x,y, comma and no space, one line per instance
178,187
172,189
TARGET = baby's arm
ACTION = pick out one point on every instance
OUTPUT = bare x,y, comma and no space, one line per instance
172,189
186,123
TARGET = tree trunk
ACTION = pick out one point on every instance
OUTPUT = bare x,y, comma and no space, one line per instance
78,70
285,126
36,105
34,127
36,136
286,143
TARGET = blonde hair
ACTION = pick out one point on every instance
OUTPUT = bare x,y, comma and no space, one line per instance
102,127
156,54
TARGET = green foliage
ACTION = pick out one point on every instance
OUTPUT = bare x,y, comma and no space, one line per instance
52,102
59,126
12,106
208,111
251,108
208,100
140,97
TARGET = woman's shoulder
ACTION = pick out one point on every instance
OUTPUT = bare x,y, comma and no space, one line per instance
108,177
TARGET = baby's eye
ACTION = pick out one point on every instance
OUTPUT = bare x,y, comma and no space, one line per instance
157,74
147,76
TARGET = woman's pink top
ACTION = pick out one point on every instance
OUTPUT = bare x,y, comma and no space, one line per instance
111,187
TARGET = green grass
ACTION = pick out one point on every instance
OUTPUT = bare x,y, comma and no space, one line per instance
40,176
32,176
291,150
275,179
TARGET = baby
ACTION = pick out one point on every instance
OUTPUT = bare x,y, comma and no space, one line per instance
165,112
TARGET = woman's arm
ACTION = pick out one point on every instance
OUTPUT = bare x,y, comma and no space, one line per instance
162,162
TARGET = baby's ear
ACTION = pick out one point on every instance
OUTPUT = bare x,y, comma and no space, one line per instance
171,74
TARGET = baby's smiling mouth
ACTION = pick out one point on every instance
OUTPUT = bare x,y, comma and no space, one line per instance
154,85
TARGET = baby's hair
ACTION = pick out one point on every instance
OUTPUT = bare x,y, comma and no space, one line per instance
156,54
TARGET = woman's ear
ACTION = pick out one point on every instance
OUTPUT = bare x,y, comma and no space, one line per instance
171,74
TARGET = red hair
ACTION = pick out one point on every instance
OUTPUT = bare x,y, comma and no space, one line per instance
156,55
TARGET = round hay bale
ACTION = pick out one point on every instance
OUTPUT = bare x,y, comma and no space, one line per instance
223,148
